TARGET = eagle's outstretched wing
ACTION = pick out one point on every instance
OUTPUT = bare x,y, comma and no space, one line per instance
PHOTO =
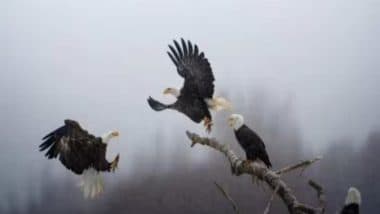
76,148
194,68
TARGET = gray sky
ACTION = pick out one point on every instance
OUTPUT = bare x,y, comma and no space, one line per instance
97,61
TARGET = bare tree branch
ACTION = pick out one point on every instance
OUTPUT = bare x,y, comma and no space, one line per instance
301,165
259,170
321,195
267,208
228,197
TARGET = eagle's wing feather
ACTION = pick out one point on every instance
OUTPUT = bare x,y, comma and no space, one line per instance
253,145
196,109
73,145
194,68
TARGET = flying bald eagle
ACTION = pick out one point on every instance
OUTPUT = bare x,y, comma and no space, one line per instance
353,201
252,144
82,153
196,96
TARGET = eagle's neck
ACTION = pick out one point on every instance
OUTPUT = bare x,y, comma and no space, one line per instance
107,137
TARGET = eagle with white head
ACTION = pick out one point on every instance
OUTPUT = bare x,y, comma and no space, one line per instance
82,153
196,96
353,201
252,144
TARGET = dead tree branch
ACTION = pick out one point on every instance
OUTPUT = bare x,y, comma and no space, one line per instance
301,165
320,194
257,169
228,197
267,208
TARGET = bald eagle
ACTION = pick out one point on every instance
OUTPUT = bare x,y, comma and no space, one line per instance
252,144
82,153
196,96
353,201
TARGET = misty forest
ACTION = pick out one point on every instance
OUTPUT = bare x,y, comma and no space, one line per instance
304,75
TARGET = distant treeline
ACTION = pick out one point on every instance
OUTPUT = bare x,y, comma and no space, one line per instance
186,187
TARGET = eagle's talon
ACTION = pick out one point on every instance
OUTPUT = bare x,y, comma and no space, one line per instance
115,163
208,124
247,163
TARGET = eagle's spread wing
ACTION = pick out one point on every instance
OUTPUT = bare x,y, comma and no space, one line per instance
77,149
194,68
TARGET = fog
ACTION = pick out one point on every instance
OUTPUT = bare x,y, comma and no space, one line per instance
306,71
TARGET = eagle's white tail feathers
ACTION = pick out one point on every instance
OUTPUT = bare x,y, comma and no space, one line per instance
219,104
353,196
92,183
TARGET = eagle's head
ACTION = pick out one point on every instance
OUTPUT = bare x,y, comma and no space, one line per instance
235,121
353,196
171,91
109,135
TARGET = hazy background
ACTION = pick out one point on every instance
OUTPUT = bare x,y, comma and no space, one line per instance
304,73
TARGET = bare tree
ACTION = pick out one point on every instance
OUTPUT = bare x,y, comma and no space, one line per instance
270,177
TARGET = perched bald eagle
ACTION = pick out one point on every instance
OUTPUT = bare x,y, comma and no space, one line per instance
353,201
82,153
252,144
196,96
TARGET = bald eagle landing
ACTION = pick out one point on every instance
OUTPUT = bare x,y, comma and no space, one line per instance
82,153
196,96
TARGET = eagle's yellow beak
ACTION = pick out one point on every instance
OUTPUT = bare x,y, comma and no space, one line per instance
115,134
167,91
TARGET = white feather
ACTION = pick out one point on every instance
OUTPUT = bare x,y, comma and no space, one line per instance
92,183
107,137
218,104
353,196
236,121
172,91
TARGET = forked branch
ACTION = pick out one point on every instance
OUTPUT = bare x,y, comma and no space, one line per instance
228,197
301,165
271,178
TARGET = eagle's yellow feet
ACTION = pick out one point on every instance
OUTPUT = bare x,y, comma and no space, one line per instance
247,162
208,124
115,163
